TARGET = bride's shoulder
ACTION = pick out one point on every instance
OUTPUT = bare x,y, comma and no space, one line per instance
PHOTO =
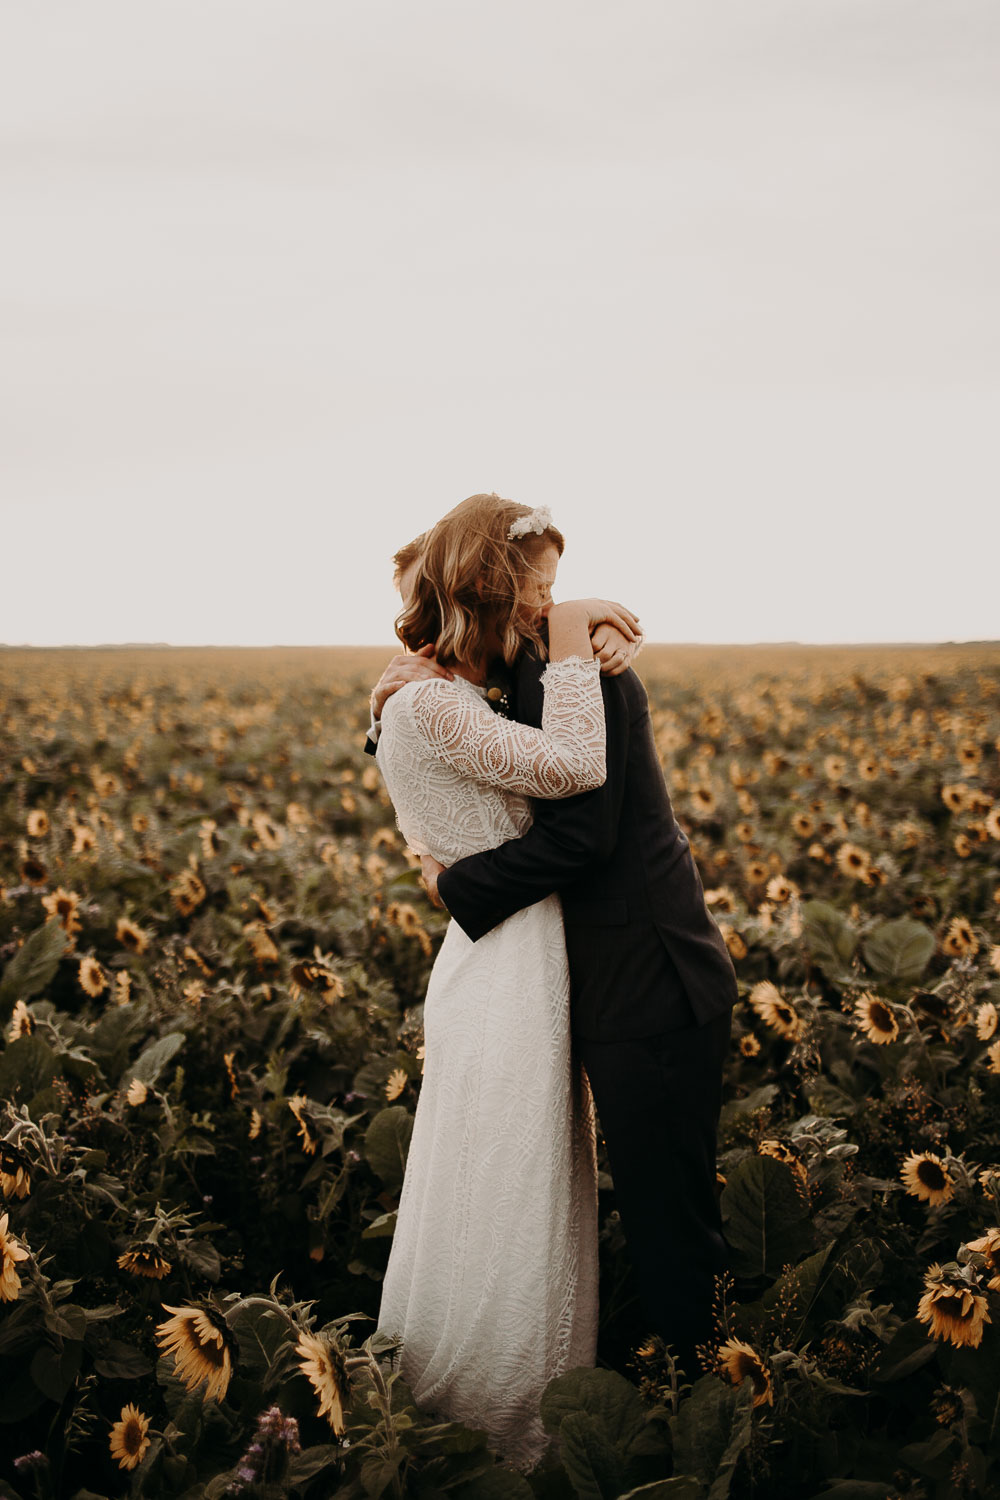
427,695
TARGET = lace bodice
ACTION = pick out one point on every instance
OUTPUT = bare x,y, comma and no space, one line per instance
459,775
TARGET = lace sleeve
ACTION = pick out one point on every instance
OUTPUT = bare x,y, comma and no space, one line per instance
565,756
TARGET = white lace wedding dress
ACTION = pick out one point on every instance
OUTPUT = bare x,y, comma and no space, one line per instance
492,1278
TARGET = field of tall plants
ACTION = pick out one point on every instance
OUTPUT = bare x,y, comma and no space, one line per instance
213,951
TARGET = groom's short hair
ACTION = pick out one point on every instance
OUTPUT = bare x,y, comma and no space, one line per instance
407,556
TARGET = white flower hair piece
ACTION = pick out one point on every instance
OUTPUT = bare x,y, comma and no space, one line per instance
537,521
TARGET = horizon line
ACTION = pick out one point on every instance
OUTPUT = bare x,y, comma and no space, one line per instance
391,646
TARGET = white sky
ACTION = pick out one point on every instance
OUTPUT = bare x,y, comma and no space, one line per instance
284,280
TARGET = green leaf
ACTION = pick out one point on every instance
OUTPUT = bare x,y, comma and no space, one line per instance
54,1370
759,1099
496,1484
120,1361
909,1349
589,1458
387,1141
829,938
150,1063
27,1066
766,1216
854,1489
202,1256
261,1328
599,1393
312,1461
382,1228
680,1487
899,950
67,1321
33,965
710,1431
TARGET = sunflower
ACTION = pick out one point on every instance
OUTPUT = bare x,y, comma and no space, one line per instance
992,822
703,800
969,755
84,839
804,824
63,905
740,1362
91,976
192,956
145,1260
129,1438
780,889
989,1246
33,871
256,1121
264,948
959,939
876,1018
834,767
784,1153
140,823
123,987
868,768
993,1053
398,1079
816,851
756,871
21,1022
734,941
297,1105
749,1044
962,845
323,1366
38,823
776,1012
11,1251
15,1171
986,1020
137,1092
721,898
952,1309
202,1346
745,831
854,861
187,892
130,936
926,1177
954,796
208,837
317,978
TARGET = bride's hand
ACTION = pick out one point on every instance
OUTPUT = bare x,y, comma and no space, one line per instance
612,650
599,612
403,669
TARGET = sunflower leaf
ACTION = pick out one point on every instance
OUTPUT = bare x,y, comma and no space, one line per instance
899,950
387,1141
710,1431
829,938
26,1066
589,1457
33,965
766,1216
599,1393
680,1487
150,1063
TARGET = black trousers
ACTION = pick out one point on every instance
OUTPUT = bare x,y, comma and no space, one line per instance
658,1101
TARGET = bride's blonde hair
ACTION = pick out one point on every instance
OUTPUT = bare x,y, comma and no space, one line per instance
469,590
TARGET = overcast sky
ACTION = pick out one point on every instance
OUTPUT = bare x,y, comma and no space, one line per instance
716,280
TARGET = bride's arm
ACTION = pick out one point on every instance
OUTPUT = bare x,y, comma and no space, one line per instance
565,756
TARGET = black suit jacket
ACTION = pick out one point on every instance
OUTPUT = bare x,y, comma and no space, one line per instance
645,954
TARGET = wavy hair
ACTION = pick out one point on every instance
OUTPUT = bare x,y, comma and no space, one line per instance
469,591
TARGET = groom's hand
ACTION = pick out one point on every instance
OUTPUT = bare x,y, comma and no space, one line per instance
432,869
402,669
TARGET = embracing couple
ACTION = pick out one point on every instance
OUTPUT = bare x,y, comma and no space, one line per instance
582,968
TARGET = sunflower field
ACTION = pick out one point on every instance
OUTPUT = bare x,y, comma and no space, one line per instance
213,951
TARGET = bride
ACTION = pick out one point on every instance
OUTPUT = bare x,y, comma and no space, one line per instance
491,1284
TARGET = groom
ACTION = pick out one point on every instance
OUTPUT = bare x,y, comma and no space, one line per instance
652,987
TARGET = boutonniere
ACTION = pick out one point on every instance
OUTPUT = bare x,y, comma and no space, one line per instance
498,695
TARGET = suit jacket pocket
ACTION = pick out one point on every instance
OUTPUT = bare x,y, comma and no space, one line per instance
603,911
